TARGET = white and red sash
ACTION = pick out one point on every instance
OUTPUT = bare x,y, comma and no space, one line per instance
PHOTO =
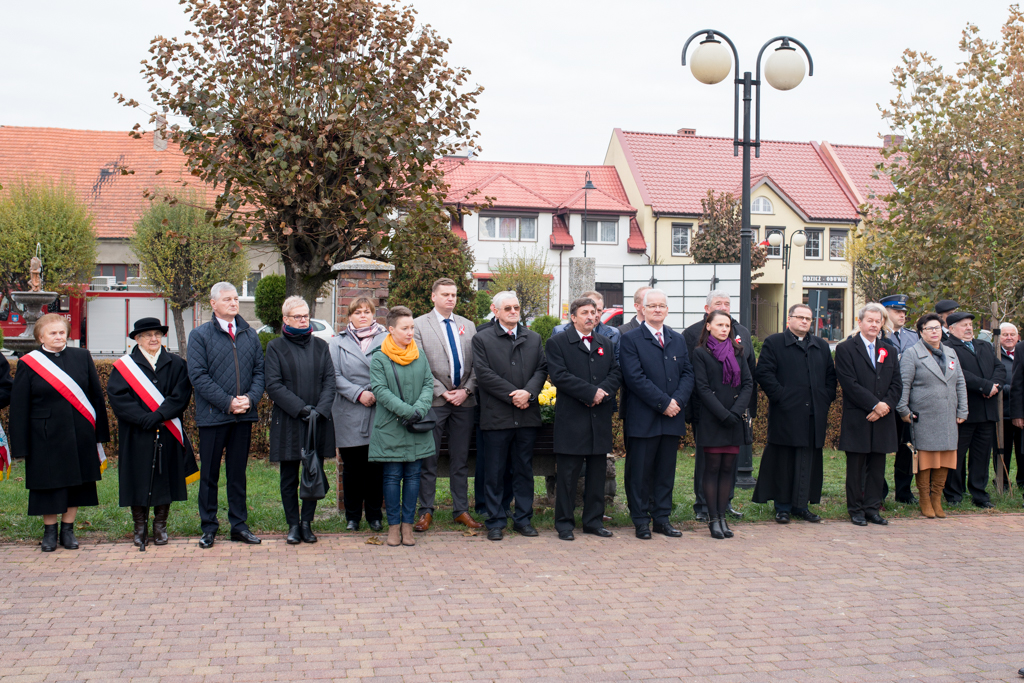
147,391
66,387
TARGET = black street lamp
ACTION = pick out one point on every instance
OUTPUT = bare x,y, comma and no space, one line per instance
784,70
587,186
799,238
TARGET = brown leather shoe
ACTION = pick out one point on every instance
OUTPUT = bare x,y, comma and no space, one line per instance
423,523
464,518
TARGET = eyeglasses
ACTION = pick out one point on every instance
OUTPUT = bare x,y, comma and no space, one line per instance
931,328
804,318
657,307
508,309
298,317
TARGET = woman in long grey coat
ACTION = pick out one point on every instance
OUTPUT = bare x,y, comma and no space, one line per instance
300,382
934,402
362,482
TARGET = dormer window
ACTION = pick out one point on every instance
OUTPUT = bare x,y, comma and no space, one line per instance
761,205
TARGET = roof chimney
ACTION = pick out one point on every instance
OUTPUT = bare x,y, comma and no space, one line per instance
687,132
159,133
891,141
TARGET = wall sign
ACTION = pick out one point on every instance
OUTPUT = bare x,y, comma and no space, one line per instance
825,280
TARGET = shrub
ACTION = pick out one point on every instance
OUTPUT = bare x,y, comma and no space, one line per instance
270,295
265,338
483,306
543,325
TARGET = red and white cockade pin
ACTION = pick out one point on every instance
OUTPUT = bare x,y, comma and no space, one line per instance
462,329
600,350
952,365
882,353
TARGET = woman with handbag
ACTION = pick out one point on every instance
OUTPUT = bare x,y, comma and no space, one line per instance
722,387
352,352
401,380
300,382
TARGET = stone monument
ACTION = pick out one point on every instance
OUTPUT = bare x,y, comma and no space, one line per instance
582,276
34,302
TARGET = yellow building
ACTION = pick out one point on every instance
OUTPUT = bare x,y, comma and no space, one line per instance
796,187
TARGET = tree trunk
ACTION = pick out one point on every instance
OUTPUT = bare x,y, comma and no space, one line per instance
295,284
179,329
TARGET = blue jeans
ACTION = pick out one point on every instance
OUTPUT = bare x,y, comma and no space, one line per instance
401,491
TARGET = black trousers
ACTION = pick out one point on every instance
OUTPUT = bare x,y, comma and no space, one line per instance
974,444
502,446
650,473
231,441
362,483
865,479
480,476
457,421
903,467
699,503
290,494
1013,442
567,473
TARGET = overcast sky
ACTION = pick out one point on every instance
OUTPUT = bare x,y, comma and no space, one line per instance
559,75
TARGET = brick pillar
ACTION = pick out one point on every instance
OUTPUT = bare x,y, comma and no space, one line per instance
360,277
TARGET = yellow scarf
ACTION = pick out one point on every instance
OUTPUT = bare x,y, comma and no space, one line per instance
391,350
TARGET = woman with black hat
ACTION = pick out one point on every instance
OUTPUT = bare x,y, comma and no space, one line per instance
148,391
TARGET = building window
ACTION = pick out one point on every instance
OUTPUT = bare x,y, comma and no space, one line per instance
483,283
120,271
508,228
812,250
837,245
761,205
250,282
775,252
754,232
606,232
681,239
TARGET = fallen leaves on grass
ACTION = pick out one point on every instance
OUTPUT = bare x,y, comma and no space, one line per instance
373,540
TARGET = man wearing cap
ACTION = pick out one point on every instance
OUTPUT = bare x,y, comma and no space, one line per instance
984,376
903,339
944,308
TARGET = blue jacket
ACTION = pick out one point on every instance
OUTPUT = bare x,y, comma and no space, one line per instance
652,376
221,369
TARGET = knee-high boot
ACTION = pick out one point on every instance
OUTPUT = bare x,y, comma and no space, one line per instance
938,483
924,492
140,515
160,513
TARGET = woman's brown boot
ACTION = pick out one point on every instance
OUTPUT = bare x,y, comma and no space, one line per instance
938,484
407,538
394,535
924,492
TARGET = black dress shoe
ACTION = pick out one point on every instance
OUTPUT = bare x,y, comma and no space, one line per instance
376,526
306,531
207,540
715,527
667,530
734,513
293,535
702,517
984,504
353,525
245,536
643,532
1020,672
782,517
495,534
858,520
67,536
525,530
49,542
600,531
725,528
877,519
806,515
566,535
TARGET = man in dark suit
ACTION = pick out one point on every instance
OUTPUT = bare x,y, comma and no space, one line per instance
867,367
510,371
1009,337
638,304
658,379
984,376
583,369
796,372
717,300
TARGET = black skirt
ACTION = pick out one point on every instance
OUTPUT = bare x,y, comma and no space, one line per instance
57,501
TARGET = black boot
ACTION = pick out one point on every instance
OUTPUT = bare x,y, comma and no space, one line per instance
715,527
49,541
726,531
306,530
140,515
67,536
160,513
293,538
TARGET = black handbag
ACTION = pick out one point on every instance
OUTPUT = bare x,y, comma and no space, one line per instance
312,483
748,428
425,423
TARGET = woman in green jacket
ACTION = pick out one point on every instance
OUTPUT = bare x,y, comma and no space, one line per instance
399,361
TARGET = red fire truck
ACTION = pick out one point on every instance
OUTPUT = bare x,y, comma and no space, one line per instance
12,319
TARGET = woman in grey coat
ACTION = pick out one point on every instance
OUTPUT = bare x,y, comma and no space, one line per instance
362,482
934,402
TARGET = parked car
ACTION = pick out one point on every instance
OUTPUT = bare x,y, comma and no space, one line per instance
612,316
321,328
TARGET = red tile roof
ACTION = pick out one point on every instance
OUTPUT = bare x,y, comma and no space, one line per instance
636,242
542,187
674,172
560,237
859,164
92,161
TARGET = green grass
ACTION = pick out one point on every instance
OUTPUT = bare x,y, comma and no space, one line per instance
111,523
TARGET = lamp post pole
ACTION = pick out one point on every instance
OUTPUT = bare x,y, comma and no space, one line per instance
800,238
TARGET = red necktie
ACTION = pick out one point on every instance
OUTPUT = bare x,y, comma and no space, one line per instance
660,340
231,332
589,338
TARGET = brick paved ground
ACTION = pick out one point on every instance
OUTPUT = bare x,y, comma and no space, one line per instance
920,600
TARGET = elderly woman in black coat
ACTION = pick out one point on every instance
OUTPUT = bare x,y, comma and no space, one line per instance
148,391
300,382
722,388
58,438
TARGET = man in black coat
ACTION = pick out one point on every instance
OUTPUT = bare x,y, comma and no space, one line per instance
1009,337
583,369
717,300
867,367
1017,394
796,372
511,370
984,376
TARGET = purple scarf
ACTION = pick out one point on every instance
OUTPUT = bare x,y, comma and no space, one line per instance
364,335
725,354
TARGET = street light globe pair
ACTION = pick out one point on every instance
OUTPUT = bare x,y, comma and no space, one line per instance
775,239
711,63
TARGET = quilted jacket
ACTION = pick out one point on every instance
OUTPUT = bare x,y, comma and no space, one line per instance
221,369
